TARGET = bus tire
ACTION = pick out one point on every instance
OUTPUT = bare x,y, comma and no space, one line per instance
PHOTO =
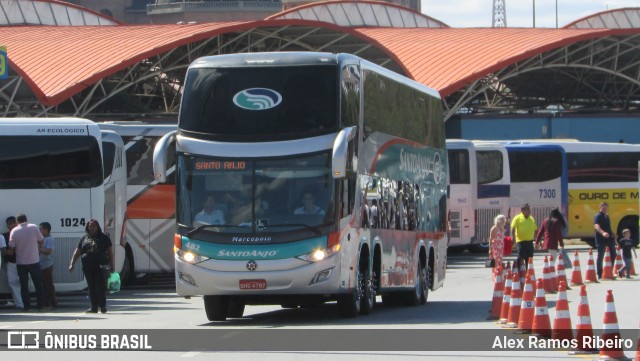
369,292
236,309
350,303
419,292
630,223
127,267
216,307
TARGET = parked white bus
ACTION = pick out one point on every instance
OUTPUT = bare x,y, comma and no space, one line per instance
65,172
276,155
151,206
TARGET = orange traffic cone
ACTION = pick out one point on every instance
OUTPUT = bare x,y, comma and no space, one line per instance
583,324
504,272
541,324
523,272
547,282
591,275
576,275
619,262
562,276
607,271
525,320
552,274
496,302
531,272
506,298
610,330
633,270
515,302
562,321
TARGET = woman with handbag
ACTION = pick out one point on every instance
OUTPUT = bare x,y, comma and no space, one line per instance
97,263
496,242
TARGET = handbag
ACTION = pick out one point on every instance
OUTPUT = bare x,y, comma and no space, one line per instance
508,246
490,263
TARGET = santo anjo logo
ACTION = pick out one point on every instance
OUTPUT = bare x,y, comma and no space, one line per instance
257,99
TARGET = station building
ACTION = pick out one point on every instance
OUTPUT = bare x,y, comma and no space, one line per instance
66,60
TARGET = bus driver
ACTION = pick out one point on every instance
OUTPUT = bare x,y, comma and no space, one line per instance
209,215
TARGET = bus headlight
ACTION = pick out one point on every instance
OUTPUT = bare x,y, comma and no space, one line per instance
320,254
189,256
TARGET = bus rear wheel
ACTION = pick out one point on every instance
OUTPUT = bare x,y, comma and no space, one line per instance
216,307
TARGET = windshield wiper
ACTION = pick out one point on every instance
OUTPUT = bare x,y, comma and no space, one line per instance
205,226
305,226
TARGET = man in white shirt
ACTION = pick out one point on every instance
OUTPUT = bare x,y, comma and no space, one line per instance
209,215
25,240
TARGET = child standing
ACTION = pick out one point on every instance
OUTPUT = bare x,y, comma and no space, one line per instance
46,266
627,245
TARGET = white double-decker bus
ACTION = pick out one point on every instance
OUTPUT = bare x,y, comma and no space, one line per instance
304,178
63,171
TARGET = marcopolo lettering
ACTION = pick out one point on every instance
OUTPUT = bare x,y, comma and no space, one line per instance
253,253
250,239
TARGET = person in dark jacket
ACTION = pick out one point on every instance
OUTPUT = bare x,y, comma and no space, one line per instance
551,232
96,254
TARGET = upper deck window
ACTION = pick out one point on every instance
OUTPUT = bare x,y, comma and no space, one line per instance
257,104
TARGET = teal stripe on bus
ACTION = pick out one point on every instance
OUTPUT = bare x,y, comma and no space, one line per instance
254,251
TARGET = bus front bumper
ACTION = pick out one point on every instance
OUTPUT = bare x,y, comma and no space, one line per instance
208,278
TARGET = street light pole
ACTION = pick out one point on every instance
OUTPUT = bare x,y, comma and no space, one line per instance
556,14
534,13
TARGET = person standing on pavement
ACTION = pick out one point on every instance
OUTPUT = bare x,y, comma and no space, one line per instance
523,227
627,245
551,233
604,236
25,240
46,266
12,267
96,253
496,242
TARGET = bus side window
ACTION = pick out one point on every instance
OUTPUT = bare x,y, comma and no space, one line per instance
347,195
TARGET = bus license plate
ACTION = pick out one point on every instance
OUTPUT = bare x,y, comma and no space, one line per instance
253,284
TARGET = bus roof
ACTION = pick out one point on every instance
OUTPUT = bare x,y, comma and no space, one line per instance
266,59
138,128
45,121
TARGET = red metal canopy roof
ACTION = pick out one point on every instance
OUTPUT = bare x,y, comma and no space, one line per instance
58,62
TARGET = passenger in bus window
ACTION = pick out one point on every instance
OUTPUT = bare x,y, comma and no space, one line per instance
524,228
209,214
46,266
551,233
12,267
309,205
604,236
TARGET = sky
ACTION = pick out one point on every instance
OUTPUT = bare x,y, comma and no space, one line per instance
478,13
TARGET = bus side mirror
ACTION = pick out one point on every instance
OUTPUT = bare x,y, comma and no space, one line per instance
160,157
341,152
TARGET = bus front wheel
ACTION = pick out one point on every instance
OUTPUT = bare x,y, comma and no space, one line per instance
216,307
350,303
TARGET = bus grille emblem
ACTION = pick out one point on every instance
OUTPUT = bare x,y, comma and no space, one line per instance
257,99
252,265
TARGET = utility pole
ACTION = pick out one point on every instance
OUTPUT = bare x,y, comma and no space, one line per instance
534,14
499,19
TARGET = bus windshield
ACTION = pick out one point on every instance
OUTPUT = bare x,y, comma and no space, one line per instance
38,162
260,103
256,195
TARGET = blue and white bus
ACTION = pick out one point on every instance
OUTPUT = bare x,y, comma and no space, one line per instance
304,178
